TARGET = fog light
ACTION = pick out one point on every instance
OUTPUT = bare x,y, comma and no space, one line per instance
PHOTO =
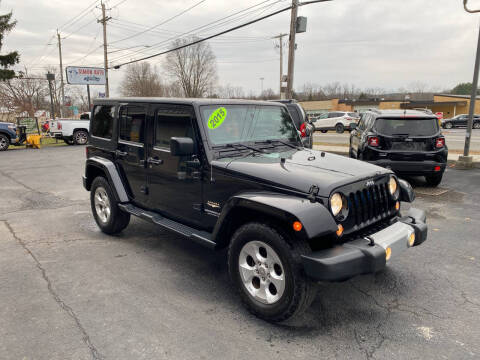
340,230
297,226
411,239
388,253
397,205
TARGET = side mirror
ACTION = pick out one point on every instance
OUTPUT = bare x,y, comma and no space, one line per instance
181,146
353,126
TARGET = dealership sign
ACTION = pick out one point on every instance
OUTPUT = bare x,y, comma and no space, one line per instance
77,75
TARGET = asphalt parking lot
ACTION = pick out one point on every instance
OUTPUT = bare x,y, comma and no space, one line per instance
67,291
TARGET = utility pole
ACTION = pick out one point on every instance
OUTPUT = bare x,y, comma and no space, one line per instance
466,161
291,48
280,39
50,78
105,58
62,103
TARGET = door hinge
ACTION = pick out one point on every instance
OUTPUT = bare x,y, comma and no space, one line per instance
312,193
144,189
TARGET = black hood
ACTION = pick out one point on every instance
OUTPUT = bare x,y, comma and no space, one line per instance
300,169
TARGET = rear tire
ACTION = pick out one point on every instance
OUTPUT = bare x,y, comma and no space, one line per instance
324,131
108,216
270,281
68,141
448,125
4,142
476,125
339,128
434,180
80,137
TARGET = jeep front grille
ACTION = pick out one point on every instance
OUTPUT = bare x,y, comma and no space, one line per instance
367,205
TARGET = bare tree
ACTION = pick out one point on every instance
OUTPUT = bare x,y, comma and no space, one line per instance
193,67
229,92
24,94
141,79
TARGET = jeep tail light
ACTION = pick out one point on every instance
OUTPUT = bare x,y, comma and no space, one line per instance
439,143
373,141
303,130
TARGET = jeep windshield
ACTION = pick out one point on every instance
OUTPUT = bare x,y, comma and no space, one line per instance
233,124
410,127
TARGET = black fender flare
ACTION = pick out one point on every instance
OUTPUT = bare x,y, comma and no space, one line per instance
110,171
407,193
315,217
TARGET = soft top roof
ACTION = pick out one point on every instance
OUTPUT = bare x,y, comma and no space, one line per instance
186,101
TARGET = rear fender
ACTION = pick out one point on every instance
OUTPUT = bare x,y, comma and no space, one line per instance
107,167
315,217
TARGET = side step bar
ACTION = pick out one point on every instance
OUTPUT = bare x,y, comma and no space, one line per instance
202,237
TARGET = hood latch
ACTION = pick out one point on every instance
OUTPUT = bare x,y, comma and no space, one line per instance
312,193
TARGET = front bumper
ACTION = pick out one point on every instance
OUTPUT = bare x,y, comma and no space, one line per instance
366,255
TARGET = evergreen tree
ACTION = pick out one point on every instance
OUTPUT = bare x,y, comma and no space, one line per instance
7,60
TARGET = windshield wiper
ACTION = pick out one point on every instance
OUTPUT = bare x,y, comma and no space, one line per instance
278,141
237,146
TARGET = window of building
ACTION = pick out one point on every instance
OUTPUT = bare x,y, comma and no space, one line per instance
132,123
102,124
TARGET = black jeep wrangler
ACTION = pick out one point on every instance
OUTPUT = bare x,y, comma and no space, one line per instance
233,174
409,142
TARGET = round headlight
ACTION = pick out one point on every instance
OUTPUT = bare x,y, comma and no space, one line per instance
336,204
393,186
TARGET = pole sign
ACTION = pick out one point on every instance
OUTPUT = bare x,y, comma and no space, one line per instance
77,75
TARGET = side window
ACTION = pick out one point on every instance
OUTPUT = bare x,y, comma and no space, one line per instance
295,115
363,121
132,123
332,115
102,123
172,122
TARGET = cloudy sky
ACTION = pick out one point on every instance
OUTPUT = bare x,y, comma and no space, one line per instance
387,44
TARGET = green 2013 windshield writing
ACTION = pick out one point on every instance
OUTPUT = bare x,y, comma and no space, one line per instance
217,118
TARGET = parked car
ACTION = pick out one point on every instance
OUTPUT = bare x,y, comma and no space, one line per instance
408,142
8,135
336,120
301,121
460,121
234,174
73,132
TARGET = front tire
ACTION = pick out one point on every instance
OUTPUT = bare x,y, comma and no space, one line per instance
108,216
476,125
324,131
339,128
266,268
434,180
448,125
4,142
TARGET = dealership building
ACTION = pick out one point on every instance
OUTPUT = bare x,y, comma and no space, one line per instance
449,105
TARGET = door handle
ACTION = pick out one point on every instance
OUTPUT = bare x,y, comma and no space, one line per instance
154,161
120,153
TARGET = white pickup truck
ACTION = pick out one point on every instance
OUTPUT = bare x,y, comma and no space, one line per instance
72,131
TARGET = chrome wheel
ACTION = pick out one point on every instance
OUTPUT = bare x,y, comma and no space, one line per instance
448,125
262,272
4,143
476,125
81,137
102,204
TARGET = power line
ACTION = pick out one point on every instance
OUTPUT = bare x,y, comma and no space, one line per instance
222,32
206,38
162,23
208,26
77,17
